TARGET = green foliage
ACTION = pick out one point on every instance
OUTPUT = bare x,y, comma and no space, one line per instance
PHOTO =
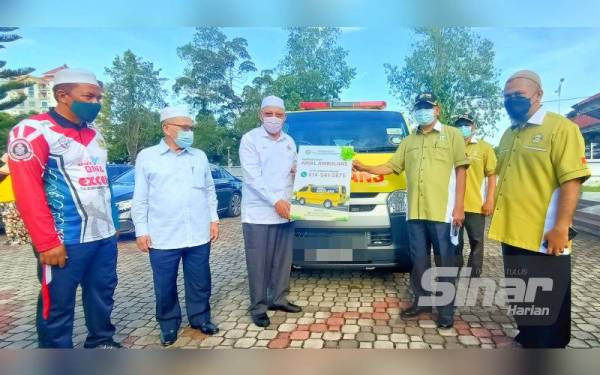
7,122
215,64
214,139
314,67
6,36
129,120
455,64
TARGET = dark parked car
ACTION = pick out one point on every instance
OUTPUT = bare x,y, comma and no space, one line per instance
228,187
115,170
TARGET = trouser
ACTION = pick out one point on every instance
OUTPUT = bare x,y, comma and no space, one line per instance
538,329
474,225
197,284
92,265
269,262
422,235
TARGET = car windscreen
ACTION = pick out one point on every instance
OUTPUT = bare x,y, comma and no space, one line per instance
367,131
127,178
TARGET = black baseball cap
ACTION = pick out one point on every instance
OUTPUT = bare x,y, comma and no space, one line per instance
426,97
465,117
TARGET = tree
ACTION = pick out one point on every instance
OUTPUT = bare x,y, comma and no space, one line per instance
129,120
10,76
7,122
314,67
214,139
215,64
455,64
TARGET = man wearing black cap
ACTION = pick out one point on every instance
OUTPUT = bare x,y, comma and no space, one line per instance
479,192
433,157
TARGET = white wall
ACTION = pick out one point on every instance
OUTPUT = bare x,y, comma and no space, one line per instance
595,168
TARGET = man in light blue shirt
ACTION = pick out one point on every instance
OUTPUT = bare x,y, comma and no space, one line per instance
268,158
174,211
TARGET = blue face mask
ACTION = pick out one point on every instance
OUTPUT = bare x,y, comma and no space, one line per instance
466,131
85,111
424,116
184,139
517,107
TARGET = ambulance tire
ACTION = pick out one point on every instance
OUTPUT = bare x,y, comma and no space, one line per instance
327,204
302,201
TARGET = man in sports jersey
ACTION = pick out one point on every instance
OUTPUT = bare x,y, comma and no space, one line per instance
58,167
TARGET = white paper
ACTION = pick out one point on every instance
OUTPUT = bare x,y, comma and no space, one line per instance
48,273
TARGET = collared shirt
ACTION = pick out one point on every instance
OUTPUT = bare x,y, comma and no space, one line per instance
429,160
533,161
483,161
58,171
267,173
174,200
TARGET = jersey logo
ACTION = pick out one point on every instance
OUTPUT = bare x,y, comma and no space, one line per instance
63,145
20,149
537,138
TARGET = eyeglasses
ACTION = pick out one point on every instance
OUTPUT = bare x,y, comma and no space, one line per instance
183,127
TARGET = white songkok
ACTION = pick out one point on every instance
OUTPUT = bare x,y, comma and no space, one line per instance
75,76
170,112
272,101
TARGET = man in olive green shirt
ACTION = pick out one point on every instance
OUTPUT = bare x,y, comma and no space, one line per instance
434,159
541,166
479,193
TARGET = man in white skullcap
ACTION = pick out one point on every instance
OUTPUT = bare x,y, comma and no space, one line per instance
174,210
541,166
58,167
268,157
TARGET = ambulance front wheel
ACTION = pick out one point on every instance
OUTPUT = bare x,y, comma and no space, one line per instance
327,204
302,201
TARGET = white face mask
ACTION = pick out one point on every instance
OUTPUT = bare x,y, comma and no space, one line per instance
272,124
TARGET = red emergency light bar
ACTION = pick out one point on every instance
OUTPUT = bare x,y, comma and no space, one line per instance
337,105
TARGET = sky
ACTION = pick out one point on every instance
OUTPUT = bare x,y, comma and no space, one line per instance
555,53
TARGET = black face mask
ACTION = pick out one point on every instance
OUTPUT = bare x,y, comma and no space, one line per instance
517,107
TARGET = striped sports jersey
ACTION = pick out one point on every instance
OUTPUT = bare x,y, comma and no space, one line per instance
60,182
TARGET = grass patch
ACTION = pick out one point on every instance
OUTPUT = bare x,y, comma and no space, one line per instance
590,189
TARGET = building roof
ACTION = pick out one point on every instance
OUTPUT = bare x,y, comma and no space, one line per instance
587,101
55,70
583,121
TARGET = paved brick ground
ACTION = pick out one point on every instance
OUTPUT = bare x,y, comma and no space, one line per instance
342,309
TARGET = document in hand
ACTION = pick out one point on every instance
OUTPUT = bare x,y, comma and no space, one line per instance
322,184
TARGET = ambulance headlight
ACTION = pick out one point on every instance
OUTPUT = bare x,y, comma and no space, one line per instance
397,202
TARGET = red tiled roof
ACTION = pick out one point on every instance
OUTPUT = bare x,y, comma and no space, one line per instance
55,70
583,121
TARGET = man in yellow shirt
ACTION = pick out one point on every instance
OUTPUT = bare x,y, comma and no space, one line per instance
433,157
541,166
479,193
